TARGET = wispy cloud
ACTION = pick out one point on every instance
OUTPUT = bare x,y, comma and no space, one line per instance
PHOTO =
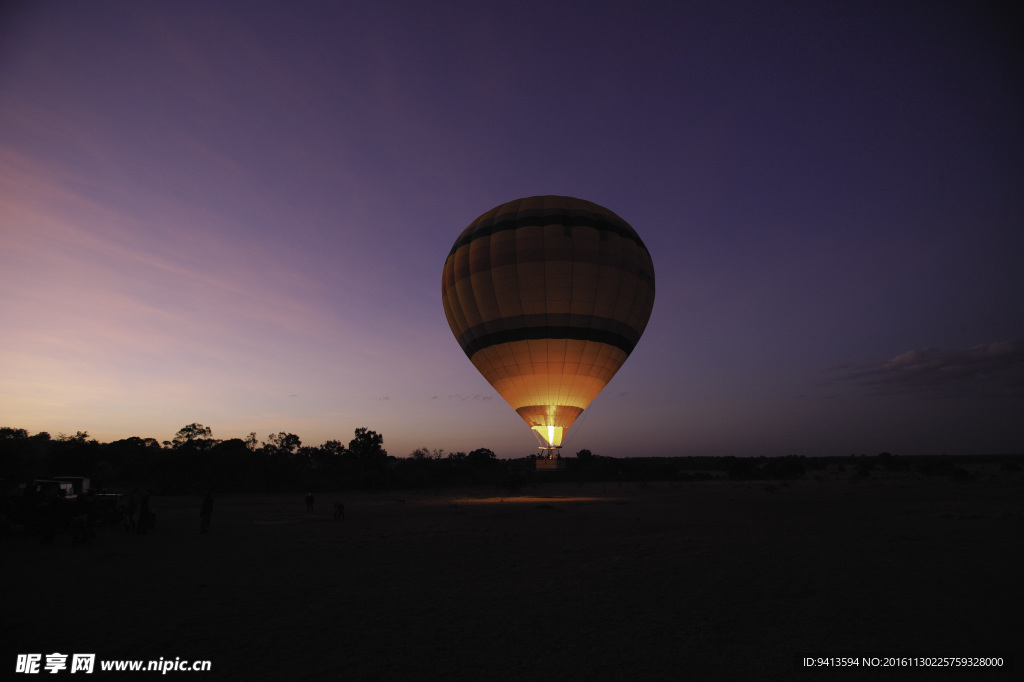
464,398
990,369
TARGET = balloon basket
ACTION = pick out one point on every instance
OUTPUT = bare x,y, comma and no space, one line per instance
550,460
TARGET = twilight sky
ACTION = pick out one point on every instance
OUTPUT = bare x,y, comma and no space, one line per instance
237,213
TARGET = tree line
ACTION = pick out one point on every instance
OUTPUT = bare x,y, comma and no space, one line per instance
194,461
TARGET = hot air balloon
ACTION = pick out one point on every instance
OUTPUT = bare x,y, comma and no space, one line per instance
548,296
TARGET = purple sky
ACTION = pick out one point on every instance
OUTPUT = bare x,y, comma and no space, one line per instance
237,214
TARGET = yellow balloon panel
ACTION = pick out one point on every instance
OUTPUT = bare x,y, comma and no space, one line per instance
527,373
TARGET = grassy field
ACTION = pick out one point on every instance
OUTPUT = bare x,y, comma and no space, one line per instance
708,580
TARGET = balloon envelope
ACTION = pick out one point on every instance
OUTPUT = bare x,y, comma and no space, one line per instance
548,296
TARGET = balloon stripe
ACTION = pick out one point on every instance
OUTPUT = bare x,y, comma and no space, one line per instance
488,260
601,330
535,218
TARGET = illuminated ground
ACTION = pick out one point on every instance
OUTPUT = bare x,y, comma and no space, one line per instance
705,580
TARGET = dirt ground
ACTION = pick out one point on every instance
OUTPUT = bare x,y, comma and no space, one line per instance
709,580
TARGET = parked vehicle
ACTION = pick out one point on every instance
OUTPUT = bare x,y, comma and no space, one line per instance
50,505
106,507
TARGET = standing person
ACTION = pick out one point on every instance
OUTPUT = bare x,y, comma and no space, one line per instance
131,510
339,510
309,502
205,512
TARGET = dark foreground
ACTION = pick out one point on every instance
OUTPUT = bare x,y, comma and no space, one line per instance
708,580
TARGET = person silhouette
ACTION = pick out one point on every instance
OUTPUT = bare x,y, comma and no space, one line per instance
309,502
131,510
339,510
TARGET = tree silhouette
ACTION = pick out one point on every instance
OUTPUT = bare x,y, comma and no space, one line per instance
80,437
367,446
194,437
284,443
482,456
